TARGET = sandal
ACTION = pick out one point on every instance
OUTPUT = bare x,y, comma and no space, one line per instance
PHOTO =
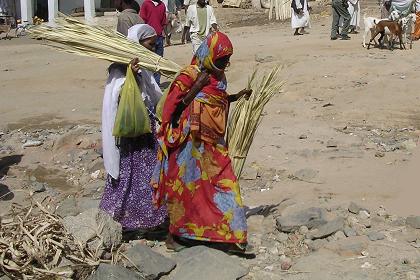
241,249
172,245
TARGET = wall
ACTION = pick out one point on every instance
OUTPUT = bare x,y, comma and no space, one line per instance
66,6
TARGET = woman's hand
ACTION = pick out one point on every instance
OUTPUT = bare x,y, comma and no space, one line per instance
134,63
203,79
246,93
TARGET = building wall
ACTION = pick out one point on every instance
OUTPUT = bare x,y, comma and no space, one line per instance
67,6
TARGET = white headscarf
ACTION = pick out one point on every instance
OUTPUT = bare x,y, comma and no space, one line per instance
151,94
140,32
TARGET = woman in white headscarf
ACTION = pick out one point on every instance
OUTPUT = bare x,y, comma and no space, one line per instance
130,162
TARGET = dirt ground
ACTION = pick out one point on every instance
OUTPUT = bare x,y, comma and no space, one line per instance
345,127
336,90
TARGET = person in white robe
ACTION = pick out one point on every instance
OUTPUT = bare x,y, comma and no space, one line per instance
354,11
129,162
300,16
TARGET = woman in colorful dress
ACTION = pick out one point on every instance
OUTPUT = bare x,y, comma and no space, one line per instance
194,175
129,162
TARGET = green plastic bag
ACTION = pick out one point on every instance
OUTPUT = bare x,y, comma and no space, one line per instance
132,118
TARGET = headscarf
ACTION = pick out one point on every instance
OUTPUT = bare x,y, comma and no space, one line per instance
215,46
140,32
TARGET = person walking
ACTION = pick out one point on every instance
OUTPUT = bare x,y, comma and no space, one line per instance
300,16
416,34
129,162
153,12
199,22
354,11
194,175
128,16
339,9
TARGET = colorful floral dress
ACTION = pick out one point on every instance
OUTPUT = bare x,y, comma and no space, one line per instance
194,175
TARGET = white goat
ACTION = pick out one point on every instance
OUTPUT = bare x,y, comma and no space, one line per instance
370,23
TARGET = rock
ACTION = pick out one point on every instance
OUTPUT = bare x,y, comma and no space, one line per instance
305,174
86,203
285,263
303,136
114,272
249,173
411,275
375,236
311,217
38,187
339,235
83,226
95,175
207,264
265,4
151,265
32,143
317,244
408,145
111,233
379,154
314,262
86,225
97,164
364,215
70,139
68,207
413,221
382,212
366,223
282,237
263,58
332,144
255,224
348,231
351,246
303,230
256,4
328,228
355,209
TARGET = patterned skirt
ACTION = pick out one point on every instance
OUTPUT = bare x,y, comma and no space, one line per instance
129,200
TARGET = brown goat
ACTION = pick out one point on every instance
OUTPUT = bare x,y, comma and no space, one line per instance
395,28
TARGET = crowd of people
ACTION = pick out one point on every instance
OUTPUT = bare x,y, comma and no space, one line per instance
346,16
178,180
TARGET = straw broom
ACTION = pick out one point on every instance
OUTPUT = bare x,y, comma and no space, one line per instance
246,116
73,36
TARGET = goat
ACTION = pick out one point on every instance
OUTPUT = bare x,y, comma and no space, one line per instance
395,28
369,23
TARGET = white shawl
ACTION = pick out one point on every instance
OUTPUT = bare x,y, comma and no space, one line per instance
151,94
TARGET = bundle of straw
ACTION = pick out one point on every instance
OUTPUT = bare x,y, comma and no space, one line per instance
246,116
72,36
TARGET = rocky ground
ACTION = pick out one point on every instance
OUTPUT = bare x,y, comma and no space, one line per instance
330,182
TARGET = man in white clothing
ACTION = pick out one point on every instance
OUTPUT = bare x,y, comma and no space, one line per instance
354,11
200,21
300,16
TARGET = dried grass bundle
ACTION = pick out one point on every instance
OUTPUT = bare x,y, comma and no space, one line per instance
33,242
246,116
72,36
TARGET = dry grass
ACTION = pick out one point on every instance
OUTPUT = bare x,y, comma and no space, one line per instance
34,242
247,114
72,36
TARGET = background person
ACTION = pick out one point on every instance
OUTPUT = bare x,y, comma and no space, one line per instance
199,22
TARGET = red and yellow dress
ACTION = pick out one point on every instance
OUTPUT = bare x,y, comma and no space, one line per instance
194,175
